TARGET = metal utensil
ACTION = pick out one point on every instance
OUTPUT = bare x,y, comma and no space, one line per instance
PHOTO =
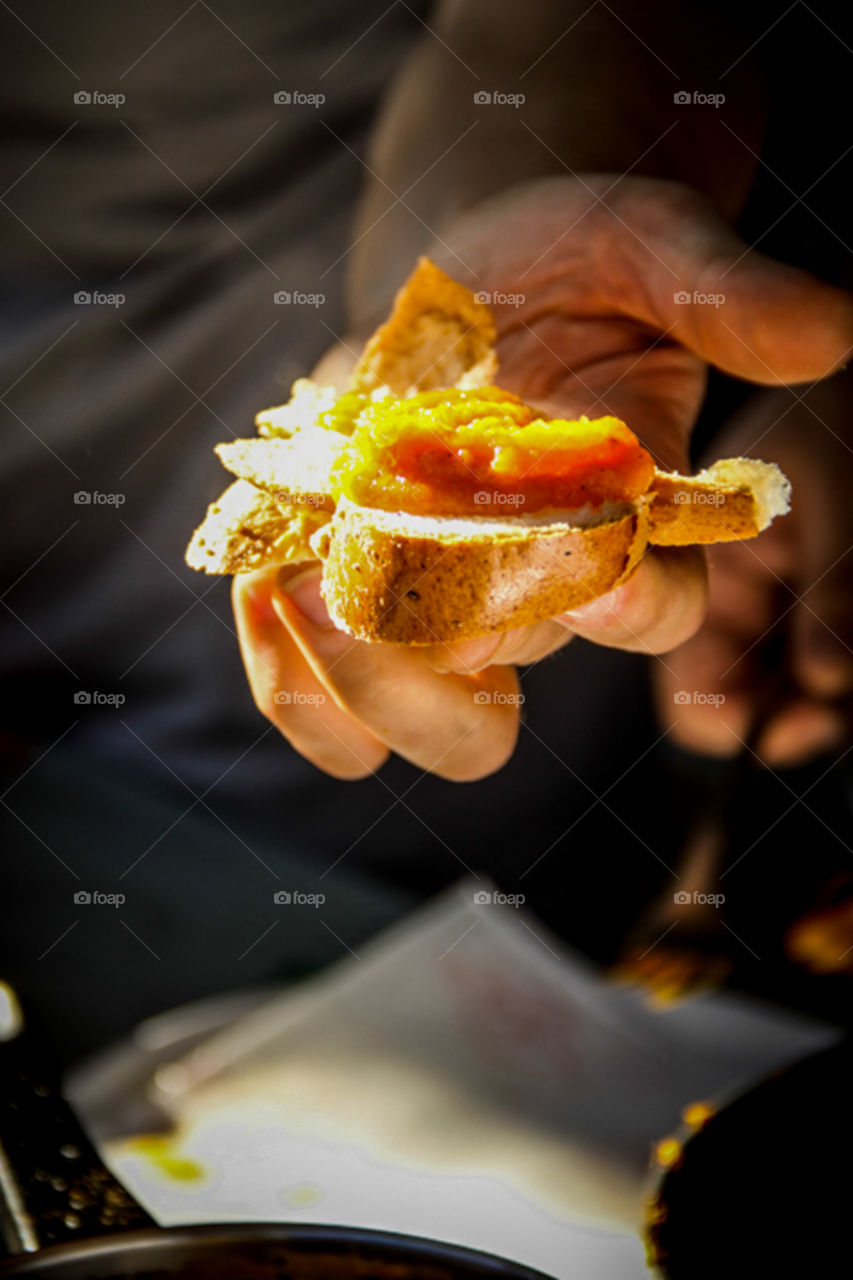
63,1216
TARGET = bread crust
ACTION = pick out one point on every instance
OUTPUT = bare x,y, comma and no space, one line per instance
403,587
438,335
687,511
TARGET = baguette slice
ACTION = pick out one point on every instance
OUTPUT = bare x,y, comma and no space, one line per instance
432,580
733,499
420,580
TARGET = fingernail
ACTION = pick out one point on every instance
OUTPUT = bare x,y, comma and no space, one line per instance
476,655
304,592
594,611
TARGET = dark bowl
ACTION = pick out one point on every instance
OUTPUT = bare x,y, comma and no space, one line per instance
764,1188
261,1251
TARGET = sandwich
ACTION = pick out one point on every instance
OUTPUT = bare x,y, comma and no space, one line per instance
441,506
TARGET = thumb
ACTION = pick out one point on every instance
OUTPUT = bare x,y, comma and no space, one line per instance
749,315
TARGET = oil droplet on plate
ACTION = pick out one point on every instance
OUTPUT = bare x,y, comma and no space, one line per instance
302,1195
164,1155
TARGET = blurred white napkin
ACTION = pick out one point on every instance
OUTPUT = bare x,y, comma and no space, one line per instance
465,1077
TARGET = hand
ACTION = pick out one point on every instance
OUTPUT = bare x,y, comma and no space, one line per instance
604,329
345,704
599,331
778,638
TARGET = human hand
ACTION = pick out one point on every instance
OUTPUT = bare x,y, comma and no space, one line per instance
345,704
778,639
600,330
604,328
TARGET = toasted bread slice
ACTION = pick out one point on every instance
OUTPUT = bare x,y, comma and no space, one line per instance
421,580
733,499
426,580
416,579
287,469
245,529
438,335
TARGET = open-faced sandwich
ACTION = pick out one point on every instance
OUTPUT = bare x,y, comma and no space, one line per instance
444,508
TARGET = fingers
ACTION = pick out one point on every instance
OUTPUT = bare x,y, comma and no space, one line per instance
816,719
659,607
343,704
737,309
801,729
771,324
311,721
710,689
519,647
706,688
459,727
